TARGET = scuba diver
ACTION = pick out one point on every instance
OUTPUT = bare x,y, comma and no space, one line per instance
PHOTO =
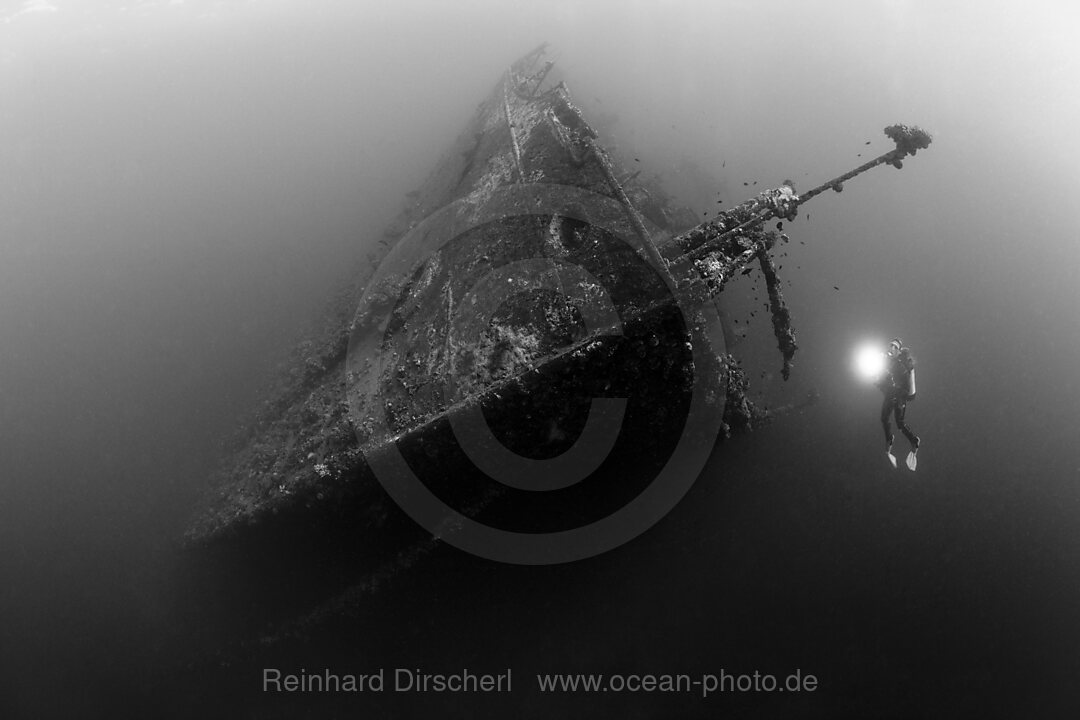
898,384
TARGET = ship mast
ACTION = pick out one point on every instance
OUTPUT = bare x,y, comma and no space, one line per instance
718,248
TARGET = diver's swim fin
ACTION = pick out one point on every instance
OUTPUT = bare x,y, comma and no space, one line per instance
892,458
912,460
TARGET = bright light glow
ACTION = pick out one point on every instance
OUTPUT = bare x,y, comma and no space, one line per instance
869,361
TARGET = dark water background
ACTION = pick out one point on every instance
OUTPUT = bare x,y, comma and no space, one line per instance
183,184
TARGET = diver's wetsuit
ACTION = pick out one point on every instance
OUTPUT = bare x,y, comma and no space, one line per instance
896,384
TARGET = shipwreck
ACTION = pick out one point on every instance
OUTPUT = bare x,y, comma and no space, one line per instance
531,296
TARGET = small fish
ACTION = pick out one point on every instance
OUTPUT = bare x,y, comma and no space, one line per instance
866,143
835,288
755,182
723,164
746,183
747,271
719,202
636,160
859,155
779,226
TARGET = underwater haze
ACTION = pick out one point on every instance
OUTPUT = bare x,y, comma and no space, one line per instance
184,184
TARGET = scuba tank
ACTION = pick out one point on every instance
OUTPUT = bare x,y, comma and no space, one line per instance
908,363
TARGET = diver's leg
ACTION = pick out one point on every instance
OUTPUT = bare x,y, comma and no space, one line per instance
901,410
912,460
886,408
